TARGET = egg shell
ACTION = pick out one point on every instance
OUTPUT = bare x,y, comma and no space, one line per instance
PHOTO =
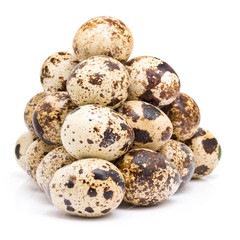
103,36
34,155
182,157
149,177
99,80
49,115
184,115
207,152
96,131
151,126
152,81
54,160
55,71
29,109
21,146
89,187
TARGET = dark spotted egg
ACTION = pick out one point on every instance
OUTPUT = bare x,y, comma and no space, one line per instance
99,80
152,81
207,152
96,131
149,177
182,157
89,187
55,71
103,36
151,126
49,115
184,115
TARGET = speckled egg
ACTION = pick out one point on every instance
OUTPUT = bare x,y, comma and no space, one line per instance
103,36
29,109
89,187
99,80
22,144
54,160
152,81
207,152
149,177
49,115
151,126
96,131
182,157
55,71
34,155
184,115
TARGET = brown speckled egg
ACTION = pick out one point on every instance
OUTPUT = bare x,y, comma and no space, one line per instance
99,80
55,71
29,109
103,36
207,152
184,115
151,126
22,144
152,81
182,157
49,115
54,160
89,187
149,177
96,131
34,155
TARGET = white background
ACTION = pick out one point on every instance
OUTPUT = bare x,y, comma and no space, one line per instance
200,40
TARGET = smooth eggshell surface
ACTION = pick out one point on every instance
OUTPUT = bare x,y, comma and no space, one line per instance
55,71
54,160
149,177
151,126
152,81
103,36
99,80
96,131
88,187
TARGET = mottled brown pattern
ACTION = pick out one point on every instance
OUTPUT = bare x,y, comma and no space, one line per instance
210,145
96,78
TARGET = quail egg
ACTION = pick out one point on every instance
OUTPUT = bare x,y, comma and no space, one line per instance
54,160
96,131
184,115
99,80
152,81
207,152
103,36
55,71
90,187
49,115
149,177
182,157
151,126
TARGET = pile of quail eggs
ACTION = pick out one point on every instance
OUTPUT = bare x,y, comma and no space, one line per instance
107,129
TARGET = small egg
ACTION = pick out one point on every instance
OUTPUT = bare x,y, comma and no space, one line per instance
99,80
151,126
96,131
49,115
89,187
55,71
182,157
54,160
21,146
152,81
184,115
103,36
29,109
149,177
34,155
207,152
